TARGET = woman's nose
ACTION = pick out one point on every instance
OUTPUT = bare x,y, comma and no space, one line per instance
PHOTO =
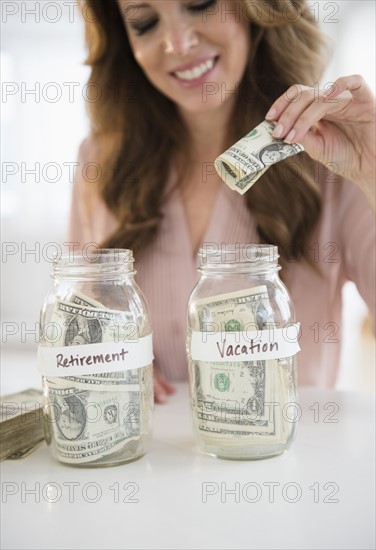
180,38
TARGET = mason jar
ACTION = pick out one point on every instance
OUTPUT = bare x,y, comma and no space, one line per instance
242,343
95,356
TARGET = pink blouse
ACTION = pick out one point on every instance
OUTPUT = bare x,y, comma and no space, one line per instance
343,244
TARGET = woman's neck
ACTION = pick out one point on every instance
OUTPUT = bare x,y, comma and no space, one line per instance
208,132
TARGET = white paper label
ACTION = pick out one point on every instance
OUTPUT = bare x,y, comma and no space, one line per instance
95,358
222,347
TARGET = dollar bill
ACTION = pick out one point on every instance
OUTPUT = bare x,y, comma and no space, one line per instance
89,425
249,158
80,299
235,311
135,324
237,400
84,320
80,322
236,395
82,325
109,381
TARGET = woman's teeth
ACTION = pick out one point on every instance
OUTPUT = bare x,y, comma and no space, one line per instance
196,72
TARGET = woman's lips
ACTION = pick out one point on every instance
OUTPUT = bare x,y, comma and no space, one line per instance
195,72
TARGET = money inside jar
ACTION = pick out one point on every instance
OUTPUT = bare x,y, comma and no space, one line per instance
241,355
96,364
249,158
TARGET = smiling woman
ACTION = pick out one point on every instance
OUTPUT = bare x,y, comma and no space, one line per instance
148,111
184,46
181,81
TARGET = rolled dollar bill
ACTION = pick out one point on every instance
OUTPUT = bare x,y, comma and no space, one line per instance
249,158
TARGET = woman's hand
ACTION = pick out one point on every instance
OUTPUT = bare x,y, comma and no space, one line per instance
336,127
162,389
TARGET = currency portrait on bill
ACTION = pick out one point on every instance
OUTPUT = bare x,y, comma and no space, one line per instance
274,152
83,331
70,416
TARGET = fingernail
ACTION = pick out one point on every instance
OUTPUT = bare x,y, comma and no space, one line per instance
270,114
278,131
329,91
160,398
290,136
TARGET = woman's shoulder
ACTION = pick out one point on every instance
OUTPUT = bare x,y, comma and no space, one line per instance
98,152
89,149
87,168
91,221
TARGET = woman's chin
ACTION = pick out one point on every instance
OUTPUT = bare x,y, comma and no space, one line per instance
199,106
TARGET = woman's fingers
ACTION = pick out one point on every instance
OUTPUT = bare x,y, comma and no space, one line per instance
160,396
297,95
297,110
354,83
336,126
167,387
162,389
313,114
301,107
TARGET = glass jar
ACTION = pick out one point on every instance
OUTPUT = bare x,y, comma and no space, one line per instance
241,346
95,356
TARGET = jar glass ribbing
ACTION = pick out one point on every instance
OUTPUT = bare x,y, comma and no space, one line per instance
241,346
98,386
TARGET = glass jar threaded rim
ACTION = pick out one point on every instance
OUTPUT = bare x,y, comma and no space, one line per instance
94,263
240,257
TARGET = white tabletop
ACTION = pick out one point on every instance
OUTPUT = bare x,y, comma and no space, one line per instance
175,497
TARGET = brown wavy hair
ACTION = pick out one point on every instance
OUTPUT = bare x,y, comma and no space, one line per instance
138,129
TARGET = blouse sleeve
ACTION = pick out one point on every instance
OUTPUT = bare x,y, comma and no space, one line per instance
357,230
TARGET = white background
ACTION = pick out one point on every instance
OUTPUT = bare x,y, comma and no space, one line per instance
42,48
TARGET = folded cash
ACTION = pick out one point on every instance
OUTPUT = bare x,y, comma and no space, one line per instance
95,416
249,158
232,401
21,423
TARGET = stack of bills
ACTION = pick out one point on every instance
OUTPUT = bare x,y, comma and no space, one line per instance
21,423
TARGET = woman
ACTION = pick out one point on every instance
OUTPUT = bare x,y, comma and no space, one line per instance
180,81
